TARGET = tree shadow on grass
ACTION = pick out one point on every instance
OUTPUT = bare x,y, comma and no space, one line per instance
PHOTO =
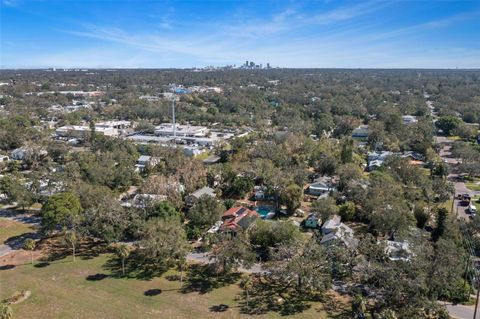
152,292
7,267
219,308
335,309
86,249
202,279
266,296
96,277
41,264
16,242
135,268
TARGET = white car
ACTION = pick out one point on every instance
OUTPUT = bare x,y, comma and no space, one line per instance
472,209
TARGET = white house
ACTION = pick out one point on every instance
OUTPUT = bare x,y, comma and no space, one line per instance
409,119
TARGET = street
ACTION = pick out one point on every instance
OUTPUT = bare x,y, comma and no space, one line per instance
456,311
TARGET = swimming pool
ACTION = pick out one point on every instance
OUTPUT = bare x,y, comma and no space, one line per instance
265,212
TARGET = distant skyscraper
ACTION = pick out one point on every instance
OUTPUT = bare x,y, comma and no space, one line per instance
268,65
246,63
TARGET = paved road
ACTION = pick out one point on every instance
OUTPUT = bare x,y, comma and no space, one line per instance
459,311
456,311
454,177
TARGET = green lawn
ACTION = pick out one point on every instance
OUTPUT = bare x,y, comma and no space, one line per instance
61,290
9,228
473,186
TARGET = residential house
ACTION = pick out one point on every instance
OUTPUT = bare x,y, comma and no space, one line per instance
334,230
238,218
144,200
191,199
360,132
377,159
312,221
397,250
409,119
21,153
415,157
321,186
145,161
259,192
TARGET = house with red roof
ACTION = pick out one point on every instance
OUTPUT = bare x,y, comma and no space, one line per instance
238,218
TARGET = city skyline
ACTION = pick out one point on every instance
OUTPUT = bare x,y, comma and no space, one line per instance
171,34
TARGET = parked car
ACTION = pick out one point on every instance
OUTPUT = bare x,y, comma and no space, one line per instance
465,199
472,209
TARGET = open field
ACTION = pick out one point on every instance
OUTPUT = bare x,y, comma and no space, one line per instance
10,228
63,289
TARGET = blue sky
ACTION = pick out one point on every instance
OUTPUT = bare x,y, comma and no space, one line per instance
324,34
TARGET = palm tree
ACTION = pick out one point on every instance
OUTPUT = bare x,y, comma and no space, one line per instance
123,251
181,263
247,285
71,239
29,244
6,311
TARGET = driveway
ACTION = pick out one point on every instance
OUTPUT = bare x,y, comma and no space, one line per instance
459,311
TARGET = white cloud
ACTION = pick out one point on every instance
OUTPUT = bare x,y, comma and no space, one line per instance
11,3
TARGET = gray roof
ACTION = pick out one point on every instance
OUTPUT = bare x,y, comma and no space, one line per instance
144,158
211,159
203,191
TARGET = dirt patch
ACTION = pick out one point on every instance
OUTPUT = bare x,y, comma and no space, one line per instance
20,257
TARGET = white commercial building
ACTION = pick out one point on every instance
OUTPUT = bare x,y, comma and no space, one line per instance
120,125
167,129
80,131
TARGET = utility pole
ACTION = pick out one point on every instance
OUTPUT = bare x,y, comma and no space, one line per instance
173,117
453,201
476,304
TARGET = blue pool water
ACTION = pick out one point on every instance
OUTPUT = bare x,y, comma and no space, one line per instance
263,211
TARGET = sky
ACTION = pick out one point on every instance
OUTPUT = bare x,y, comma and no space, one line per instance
294,34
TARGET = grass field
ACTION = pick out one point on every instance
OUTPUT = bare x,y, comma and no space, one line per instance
473,186
62,289
10,228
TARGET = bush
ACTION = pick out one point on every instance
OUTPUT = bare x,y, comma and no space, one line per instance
421,216
347,211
